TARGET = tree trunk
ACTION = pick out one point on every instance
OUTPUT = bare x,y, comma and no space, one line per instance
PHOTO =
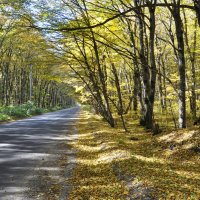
181,66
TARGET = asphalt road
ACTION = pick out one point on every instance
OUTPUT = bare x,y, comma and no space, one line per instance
24,143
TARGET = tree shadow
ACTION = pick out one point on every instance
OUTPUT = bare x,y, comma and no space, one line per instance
25,144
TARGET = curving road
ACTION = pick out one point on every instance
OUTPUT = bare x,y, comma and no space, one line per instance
25,143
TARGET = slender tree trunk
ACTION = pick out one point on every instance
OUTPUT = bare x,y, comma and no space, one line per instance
151,95
117,84
144,69
192,57
148,75
197,8
175,11
181,66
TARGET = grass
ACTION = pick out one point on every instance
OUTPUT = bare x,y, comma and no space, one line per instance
29,109
4,117
167,162
24,110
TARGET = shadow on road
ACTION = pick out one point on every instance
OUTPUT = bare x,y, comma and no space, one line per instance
26,143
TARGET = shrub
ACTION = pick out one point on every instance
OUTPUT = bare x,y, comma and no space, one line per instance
4,117
37,111
23,110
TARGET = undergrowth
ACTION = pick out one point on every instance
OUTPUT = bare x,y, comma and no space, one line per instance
28,109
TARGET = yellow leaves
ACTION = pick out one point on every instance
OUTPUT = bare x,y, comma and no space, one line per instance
126,192
151,159
172,177
187,174
178,136
79,88
50,77
129,1
95,181
104,158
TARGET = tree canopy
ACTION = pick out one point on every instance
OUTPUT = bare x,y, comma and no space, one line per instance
119,56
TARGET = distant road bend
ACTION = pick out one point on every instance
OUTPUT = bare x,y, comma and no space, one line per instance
24,143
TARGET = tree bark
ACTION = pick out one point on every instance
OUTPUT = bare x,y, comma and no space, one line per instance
181,65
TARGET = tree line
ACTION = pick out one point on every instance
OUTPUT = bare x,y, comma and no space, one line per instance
27,68
139,55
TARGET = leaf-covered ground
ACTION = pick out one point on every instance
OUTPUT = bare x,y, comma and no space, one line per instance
165,166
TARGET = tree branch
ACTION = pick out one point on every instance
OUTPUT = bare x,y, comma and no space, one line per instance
66,29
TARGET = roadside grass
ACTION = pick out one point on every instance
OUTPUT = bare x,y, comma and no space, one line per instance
9,113
4,117
168,162
21,111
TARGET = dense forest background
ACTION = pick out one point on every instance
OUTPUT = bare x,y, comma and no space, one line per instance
119,56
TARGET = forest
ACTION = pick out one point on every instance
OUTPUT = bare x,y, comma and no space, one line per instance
135,63
117,56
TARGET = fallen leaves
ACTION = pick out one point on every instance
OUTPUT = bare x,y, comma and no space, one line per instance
173,174
93,178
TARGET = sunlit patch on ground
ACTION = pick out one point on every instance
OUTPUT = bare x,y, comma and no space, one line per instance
178,136
151,159
108,157
115,155
188,174
96,148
